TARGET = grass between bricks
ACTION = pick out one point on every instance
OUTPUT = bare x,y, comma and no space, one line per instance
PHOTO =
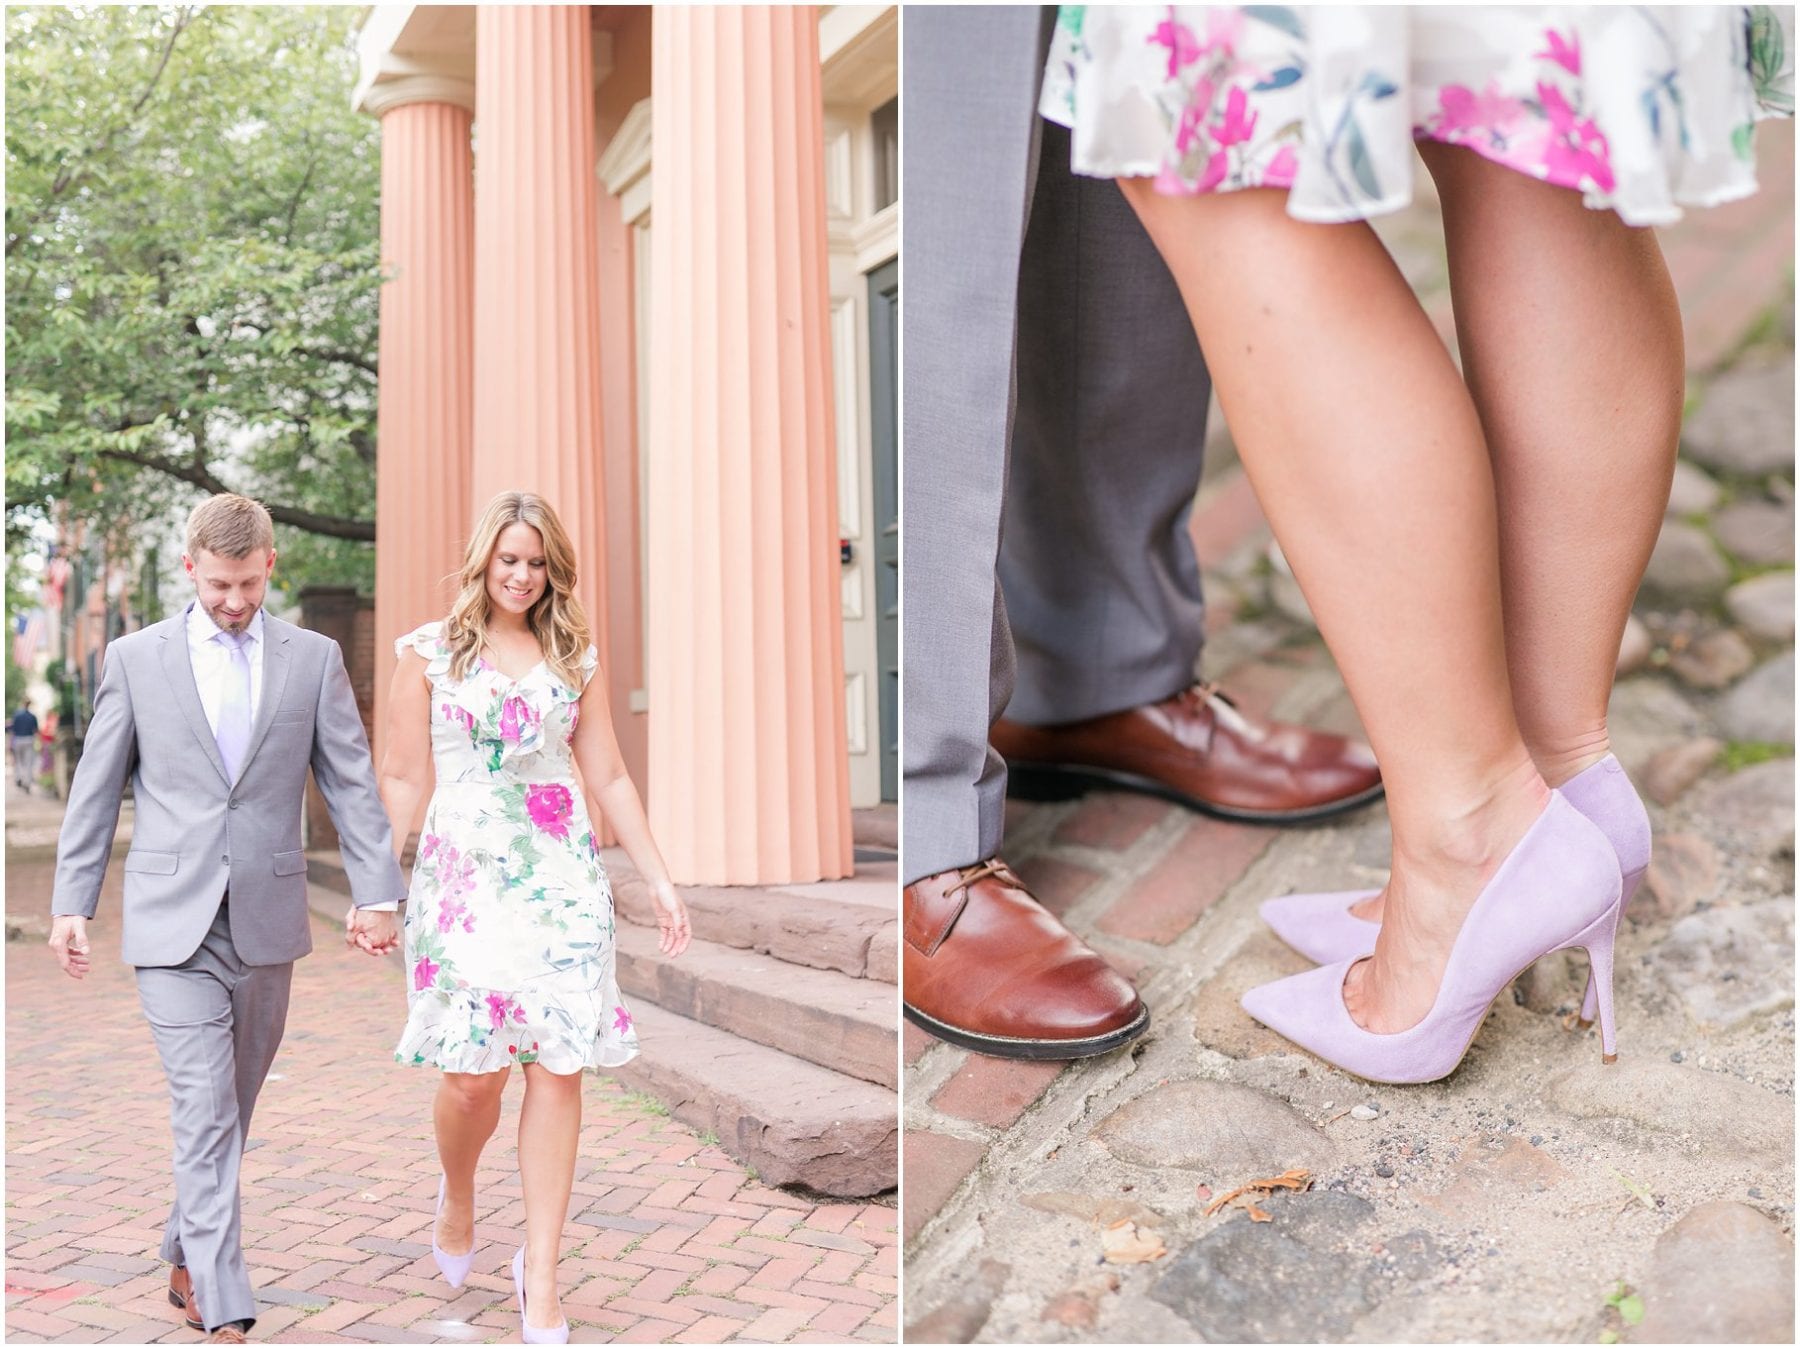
1745,753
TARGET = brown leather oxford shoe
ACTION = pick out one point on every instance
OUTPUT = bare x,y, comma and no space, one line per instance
181,1294
1196,749
987,968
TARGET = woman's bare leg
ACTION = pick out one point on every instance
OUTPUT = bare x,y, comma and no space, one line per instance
1571,345
1365,452
549,1132
466,1112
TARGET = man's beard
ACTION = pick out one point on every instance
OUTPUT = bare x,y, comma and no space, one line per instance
225,625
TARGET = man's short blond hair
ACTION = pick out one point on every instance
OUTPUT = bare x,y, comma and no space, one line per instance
228,525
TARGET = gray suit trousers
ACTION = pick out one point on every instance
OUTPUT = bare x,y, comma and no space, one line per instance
217,1024
1033,291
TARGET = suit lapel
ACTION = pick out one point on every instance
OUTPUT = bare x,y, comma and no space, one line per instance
179,666
274,680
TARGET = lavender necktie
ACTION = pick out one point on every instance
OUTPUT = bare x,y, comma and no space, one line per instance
233,733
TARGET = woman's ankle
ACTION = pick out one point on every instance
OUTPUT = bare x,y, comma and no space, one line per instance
1563,757
1471,831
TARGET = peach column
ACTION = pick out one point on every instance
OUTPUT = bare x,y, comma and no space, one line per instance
424,413
537,293
746,662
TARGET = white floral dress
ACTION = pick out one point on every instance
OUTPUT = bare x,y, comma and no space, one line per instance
509,921
1642,109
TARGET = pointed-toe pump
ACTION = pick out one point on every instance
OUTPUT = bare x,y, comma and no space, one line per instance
454,1268
556,1334
1322,928
1558,889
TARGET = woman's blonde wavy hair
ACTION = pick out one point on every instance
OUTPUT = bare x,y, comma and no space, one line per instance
557,619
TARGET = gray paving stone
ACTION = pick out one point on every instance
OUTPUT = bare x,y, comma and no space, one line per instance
1752,809
1745,422
1672,771
1724,1274
1231,1133
1728,965
1693,492
1759,532
1764,606
1714,661
1762,707
1685,567
1304,1276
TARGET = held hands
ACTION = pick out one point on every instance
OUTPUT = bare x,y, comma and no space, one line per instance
69,939
371,931
671,920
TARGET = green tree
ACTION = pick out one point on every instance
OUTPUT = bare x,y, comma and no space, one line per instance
192,255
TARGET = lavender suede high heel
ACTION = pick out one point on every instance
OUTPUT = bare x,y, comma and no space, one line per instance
1559,888
1322,928
454,1268
556,1334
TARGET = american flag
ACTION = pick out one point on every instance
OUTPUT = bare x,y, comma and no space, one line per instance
29,634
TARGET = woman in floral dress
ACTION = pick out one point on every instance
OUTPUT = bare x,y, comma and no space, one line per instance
509,922
1469,541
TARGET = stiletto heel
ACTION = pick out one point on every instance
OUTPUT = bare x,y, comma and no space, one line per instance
1559,888
1588,998
556,1334
1600,966
454,1268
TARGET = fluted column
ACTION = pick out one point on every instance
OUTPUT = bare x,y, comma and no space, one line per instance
746,666
537,294
424,412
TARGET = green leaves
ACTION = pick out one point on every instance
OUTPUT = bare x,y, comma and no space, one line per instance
193,268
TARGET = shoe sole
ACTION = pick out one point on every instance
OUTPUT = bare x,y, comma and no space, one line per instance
1010,1047
1053,782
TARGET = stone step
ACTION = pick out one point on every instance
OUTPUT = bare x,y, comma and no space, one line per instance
795,1122
854,938
848,1025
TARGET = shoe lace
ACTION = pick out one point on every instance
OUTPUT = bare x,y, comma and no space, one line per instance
980,871
1203,689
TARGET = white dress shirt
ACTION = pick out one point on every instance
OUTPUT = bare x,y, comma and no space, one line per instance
212,662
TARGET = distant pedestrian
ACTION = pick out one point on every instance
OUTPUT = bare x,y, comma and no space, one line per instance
24,742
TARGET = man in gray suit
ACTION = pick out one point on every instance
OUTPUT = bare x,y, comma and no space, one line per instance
1051,374
214,716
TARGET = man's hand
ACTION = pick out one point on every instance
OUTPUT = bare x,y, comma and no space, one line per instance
69,939
371,930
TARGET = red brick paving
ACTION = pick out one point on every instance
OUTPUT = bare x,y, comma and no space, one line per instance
994,1092
668,1237
1206,859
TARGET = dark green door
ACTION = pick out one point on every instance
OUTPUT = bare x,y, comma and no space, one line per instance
884,377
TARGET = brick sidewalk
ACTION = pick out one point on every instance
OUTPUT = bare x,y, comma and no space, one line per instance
668,1238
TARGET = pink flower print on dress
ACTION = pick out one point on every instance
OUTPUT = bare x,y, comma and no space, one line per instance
429,845
1577,150
424,973
621,1019
1565,54
550,807
501,1007
1282,168
1193,117
1184,47
1489,113
1236,128
461,716
451,911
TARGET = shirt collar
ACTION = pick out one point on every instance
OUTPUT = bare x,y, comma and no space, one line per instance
202,629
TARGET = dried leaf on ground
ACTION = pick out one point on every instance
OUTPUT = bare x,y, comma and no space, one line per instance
1297,1179
1124,1244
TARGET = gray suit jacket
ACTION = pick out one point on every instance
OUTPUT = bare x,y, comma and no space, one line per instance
198,834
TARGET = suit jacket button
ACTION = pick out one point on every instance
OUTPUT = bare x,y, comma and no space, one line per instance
226,860
234,805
